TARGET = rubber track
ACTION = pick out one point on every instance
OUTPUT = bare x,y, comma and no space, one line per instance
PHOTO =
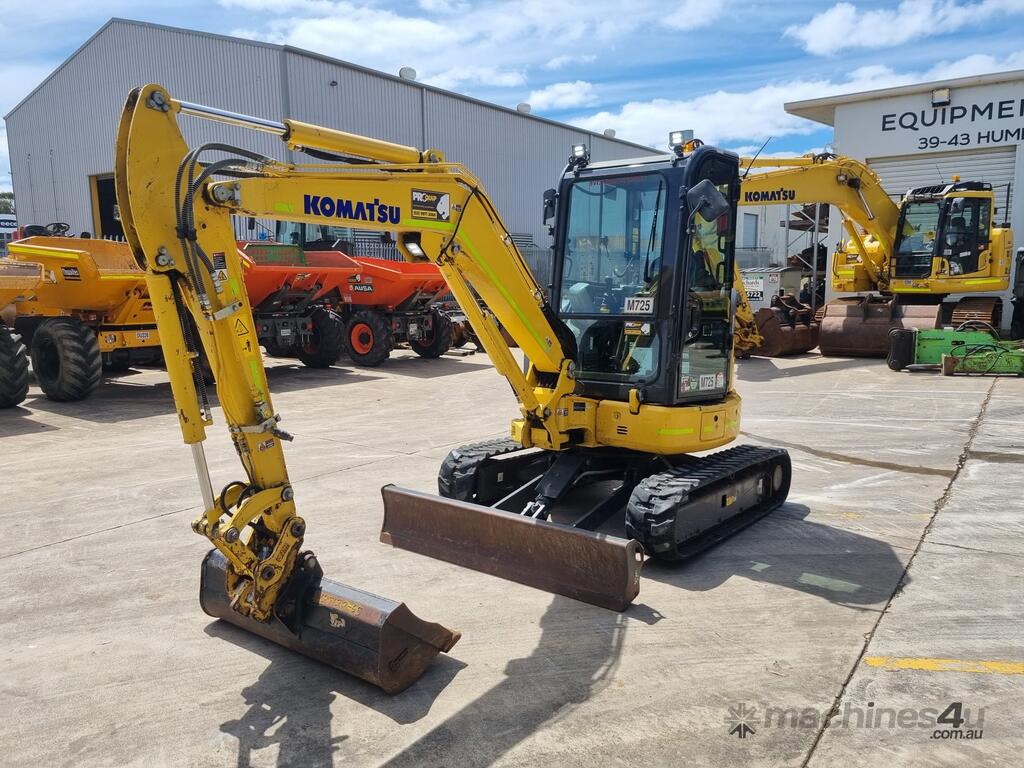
659,498
456,478
13,369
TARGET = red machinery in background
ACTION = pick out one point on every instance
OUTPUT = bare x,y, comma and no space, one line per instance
317,304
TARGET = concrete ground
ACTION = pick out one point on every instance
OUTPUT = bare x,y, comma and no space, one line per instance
806,634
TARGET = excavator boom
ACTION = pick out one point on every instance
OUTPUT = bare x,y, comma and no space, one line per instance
257,576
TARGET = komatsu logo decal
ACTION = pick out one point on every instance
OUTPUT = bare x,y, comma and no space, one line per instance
779,195
354,210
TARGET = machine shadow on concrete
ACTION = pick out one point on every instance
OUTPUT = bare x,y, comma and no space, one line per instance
16,421
784,548
765,369
290,703
417,367
118,398
576,658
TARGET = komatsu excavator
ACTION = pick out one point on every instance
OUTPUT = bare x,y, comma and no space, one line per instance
630,370
905,258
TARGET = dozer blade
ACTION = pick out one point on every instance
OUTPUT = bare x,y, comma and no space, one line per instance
371,637
860,327
593,567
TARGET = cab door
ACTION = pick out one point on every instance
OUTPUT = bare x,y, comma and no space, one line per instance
707,251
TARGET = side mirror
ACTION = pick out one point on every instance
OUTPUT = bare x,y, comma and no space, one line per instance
705,199
550,196
250,223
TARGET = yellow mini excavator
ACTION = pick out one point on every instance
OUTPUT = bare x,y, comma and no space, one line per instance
630,370
905,259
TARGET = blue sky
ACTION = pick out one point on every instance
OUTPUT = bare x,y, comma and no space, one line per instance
722,67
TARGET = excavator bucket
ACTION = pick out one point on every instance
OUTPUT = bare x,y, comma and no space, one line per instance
859,327
592,567
371,637
781,338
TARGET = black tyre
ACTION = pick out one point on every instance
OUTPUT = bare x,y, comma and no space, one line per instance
328,342
369,338
13,369
439,340
66,359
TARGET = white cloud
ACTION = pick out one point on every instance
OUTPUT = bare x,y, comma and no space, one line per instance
493,43
579,93
844,25
558,62
724,117
976,64
452,78
693,14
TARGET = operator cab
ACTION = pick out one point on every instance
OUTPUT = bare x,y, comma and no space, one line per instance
642,279
949,223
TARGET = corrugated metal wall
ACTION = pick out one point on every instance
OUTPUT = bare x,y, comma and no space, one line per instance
65,131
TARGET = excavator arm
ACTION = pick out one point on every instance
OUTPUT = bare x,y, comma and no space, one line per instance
177,220
869,215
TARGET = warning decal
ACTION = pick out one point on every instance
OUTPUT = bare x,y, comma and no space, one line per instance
435,206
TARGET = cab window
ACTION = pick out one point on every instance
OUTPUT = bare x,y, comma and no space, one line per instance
966,236
610,274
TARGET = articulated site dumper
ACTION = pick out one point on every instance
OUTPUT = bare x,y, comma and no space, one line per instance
317,304
630,372
902,260
17,279
90,311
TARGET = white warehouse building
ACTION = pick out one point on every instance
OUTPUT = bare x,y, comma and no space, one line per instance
61,136
924,134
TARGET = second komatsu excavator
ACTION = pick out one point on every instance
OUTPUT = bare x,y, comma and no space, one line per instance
905,260
630,371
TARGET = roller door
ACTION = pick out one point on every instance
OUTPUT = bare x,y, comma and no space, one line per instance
996,166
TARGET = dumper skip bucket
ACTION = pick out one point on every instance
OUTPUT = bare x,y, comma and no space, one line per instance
371,637
592,567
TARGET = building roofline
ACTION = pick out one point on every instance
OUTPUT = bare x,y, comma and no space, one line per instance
61,66
330,60
823,110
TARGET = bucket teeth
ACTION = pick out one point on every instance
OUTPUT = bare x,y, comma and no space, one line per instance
592,567
371,637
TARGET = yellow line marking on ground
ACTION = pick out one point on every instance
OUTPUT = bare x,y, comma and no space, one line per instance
946,665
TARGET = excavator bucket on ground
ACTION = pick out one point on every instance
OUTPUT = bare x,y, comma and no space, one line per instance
787,327
593,567
860,326
371,637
